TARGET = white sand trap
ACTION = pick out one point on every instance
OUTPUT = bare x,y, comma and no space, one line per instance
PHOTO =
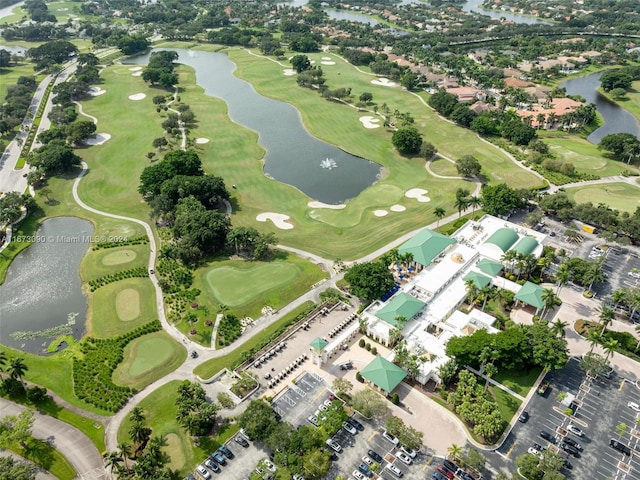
312,62
326,58
98,139
315,204
385,82
327,62
202,141
135,69
289,72
419,194
380,213
137,96
398,208
370,122
278,219
136,74
95,91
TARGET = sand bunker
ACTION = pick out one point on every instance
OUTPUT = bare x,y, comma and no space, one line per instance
288,72
95,91
202,141
380,213
136,74
370,122
98,139
315,204
278,219
137,96
385,82
326,58
419,194
327,62
135,69
398,208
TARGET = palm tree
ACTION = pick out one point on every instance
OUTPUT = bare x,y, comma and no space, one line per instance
17,369
606,317
609,348
472,290
487,293
489,371
549,300
593,338
461,204
562,276
594,274
111,460
439,212
124,448
137,415
137,433
474,202
617,297
508,259
454,451
638,332
3,360
558,327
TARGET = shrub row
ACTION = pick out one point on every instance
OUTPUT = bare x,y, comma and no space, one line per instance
31,136
174,275
92,374
138,272
229,329
139,240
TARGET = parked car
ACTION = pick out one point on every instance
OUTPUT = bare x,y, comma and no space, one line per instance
534,451
203,472
211,465
395,470
350,428
548,436
368,460
634,406
572,442
524,416
404,458
357,475
327,403
241,441
440,476
218,458
313,420
226,452
445,471
323,407
392,438
621,447
450,465
355,423
570,449
538,447
270,466
335,446
575,430
194,354
298,477
365,470
375,455
408,451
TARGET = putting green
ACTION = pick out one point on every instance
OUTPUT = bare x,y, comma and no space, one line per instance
236,286
619,196
150,353
119,257
128,304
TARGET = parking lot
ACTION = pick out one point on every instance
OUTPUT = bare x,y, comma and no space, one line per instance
602,407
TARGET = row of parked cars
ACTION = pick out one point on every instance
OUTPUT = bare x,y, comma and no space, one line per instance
447,470
215,462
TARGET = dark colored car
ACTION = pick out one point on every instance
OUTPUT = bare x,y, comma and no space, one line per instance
450,465
439,476
226,452
547,436
218,458
572,442
621,447
567,464
194,354
365,469
538,447
375,455
241,441
355,423
524,416
445,471
570,449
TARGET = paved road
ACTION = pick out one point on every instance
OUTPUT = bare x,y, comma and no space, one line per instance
68,440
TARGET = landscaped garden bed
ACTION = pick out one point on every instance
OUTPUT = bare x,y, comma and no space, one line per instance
245,385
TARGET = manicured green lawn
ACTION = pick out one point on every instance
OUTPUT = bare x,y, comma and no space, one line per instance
98,263
43,454
246,287
211,367
440,166
519,382
160,411
9,76
584,155
121,307
507,404
619,196
148,358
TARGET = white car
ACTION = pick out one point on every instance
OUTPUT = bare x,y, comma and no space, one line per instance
203,472
392,438
575,430
335,446
634,274
367,460
323,407
349,428
535,452
357,475
270,466
327,403
404,458
411,453
634,406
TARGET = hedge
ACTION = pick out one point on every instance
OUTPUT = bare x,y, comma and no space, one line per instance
139,272
139,240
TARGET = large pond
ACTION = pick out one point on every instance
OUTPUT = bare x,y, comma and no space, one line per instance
320,170
350,16
42,296
476,6
616,119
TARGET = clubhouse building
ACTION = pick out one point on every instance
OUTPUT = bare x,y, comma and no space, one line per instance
430,290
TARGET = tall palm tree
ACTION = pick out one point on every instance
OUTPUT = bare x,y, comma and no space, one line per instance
111,460
137,415
593,338
137,433
558,327
474,202
508,259
617,297
549,300
454,451
17,368
439,212
562,276
606,317
609,348
487,293
472,290
3,360
461,204
489,371
124,448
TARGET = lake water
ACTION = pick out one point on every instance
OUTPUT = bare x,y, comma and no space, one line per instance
6,11
14,50
320,170
616,119
43,288
350,16
475,6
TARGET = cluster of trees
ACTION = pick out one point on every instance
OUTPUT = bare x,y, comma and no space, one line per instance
620,78
369,280
186,199
15,430
11,469
14,385
36,32
132,44
195,414
39,12
520,347
51,54
250,243
408,436
407,140
11,205
546,467
622,226
160,69
501,199
53,158
16,104
623,146
468,166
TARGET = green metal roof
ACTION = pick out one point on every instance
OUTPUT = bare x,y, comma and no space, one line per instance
489,267
402,305
531,294
318,344
503,238
425,246
478,279
383,374
526,245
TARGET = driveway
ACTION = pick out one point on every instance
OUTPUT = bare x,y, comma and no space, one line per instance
68,440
